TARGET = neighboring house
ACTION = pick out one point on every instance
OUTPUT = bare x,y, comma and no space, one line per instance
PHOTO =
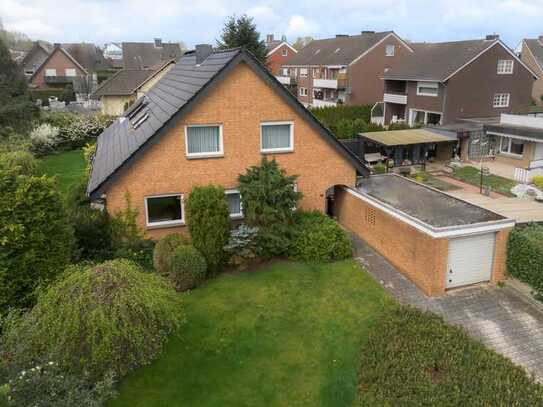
35,57
126,86
278,53
17,55
149,55
345,69
74,64
213,115
441,83
518,142
532,55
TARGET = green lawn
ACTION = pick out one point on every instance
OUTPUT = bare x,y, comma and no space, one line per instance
472,175
287,334
68,166
430,180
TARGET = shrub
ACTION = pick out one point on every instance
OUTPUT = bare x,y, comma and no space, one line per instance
379,168
525,256
413,358
538,181
22,162
44,139
44,95
163,253
269,196
97,319
242,244
318,238
188,268
209,224
330,116
47,385
35,238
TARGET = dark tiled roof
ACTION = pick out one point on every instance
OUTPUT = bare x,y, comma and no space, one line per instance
140,55
37,46
169,99
89,56
436,61
124,82
536,48
340,50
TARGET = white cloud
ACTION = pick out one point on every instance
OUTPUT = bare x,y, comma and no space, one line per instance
299,26
261,12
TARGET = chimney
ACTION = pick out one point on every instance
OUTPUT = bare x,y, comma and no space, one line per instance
158,42
490,37
202,52
284,38
269,38
367,32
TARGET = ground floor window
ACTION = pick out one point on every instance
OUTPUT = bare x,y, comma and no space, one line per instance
235,206
424,117
511,146
164,210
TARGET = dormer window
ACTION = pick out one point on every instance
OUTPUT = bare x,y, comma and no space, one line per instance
317,51
138,113
505,66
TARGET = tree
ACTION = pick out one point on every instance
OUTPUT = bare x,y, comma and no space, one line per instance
241,32
302,42
15,105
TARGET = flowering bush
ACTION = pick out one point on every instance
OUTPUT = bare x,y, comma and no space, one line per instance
44,139
47,385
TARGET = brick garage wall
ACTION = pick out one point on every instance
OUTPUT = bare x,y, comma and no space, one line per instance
500,256
240,102
418,256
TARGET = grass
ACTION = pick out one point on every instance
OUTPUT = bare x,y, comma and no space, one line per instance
472,175
287,334
68,167
430,180
415,359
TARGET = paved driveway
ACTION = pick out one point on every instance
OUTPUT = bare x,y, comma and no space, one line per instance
500,317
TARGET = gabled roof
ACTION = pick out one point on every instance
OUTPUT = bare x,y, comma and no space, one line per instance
56,49
341,50
38,46
440,61
124,82
272,46
89,56
145,55
535,46
171,97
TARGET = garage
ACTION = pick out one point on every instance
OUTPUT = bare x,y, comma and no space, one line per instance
470,260
436,240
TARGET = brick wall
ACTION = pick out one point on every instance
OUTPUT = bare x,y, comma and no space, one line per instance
277,59
240,102
58,61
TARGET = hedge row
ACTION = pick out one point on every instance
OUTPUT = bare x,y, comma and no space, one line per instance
525,256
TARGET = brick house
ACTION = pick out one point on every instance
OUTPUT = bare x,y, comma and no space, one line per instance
440,83
213,115
532,55
278,53
149,55
345,69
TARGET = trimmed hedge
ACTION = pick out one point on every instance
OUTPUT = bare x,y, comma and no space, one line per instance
318,238
44,95
525,256
415,359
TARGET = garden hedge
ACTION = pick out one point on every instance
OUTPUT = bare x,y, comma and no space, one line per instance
525,256
413,358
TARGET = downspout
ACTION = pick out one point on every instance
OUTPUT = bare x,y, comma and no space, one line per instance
444,104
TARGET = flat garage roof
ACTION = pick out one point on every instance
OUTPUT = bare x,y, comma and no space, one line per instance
423,203
410,136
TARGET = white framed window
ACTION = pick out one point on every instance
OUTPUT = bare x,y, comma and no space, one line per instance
427,88
316,72
50,72
235,206
70,72
501,100
390,50
511,146
276,137
303,91
204,140
505,66
285,71
285,52
164,210
303,72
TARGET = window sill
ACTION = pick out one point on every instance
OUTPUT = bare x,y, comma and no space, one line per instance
265,152
196,157
426,94
166,225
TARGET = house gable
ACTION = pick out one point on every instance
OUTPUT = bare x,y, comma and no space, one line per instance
59,60
240,103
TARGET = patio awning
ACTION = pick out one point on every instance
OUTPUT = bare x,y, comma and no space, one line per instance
411,136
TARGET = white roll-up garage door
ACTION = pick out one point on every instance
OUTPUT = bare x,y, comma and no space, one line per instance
470,259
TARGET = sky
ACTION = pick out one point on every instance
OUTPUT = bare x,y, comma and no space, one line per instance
201,21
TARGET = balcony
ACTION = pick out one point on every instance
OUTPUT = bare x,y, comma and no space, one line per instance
339,83
395,97
59,79
323,103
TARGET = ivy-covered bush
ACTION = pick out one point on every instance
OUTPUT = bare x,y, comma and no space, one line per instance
319,238
47,385
525,256
44,139
208,220
36,241
111,317
269,198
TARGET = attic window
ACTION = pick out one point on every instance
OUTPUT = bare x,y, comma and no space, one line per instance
337,50
317,51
